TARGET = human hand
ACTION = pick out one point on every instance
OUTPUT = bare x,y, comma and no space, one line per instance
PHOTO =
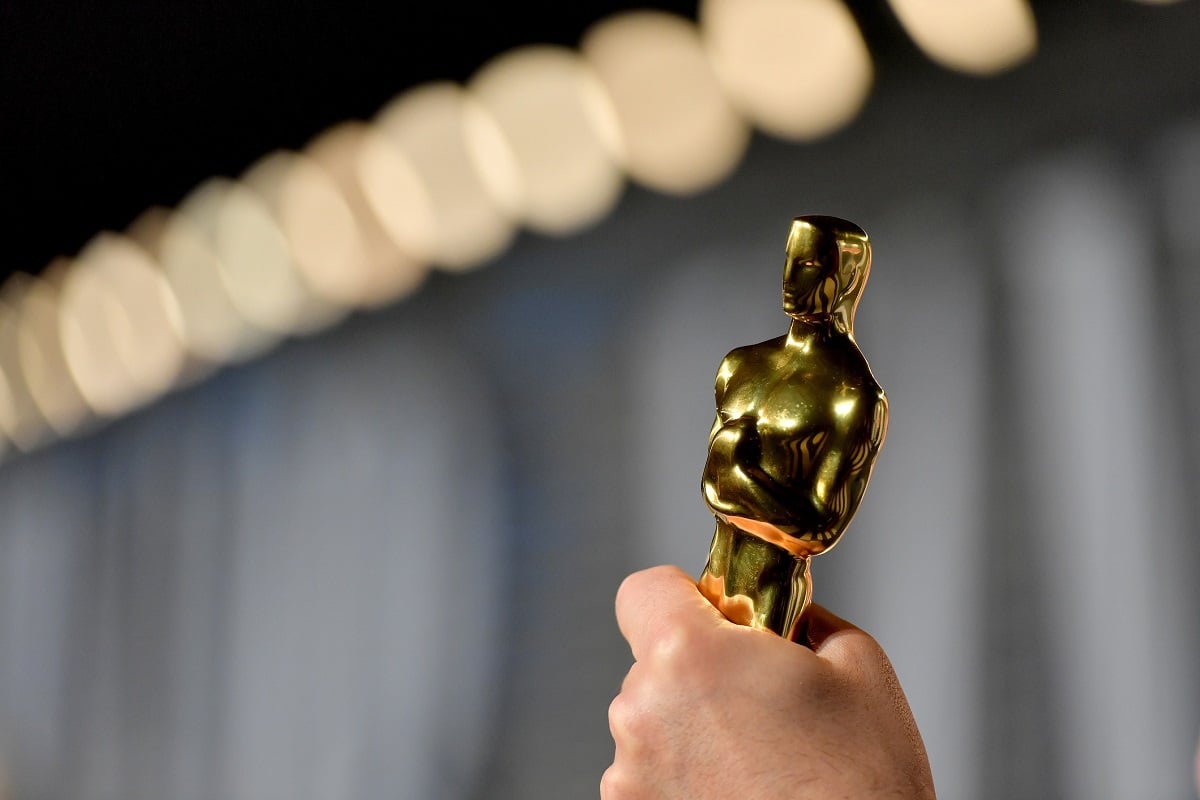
714,710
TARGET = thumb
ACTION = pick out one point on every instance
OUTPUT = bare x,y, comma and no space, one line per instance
822,625
842,643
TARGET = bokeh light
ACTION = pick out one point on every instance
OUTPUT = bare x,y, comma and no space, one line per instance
398,197
366,267
304,214
798,69
679,132
319,229
20,420
982,37
561,131
6,412
147,333
423,183
41,358
90,321
214,329
255,259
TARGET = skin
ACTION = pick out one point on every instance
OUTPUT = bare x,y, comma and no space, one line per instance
711,710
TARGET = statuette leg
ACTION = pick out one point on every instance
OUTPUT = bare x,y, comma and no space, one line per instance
754,583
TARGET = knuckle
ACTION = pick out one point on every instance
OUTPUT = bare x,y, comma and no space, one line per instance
672,645
623,782
608,790
631,587
618,715
614,785
631,724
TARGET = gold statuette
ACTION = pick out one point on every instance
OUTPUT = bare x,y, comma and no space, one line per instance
800,420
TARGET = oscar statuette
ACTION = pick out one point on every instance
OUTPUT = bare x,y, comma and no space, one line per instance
800,421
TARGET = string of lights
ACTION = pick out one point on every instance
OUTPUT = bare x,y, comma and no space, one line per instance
442,177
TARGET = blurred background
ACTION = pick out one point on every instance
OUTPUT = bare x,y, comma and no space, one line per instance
319,477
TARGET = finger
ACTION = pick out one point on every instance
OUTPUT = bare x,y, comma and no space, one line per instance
659,600
606,784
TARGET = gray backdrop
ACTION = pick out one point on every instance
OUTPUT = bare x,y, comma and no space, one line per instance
380,563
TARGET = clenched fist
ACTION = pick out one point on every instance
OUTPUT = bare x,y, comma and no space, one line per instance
710,709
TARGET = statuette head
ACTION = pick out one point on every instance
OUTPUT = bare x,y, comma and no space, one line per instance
828,261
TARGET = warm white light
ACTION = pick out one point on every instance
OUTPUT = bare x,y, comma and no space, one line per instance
255,260
320,230
41,358
214,329
148,232
981,37
148,332
424,186
306,212
6,413
559,129
366,267
91,320
680,133
798,69
20,421
398,196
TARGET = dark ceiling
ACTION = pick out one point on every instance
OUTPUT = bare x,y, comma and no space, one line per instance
107,109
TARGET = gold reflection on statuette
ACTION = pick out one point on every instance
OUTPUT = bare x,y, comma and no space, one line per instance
800,420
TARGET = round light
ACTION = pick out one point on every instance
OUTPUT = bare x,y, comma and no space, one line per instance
423,185
981,37
679,131
20,420
214,329
42,361
255,261
6,412
91,320
307,214
373,270
147,334
798,69
559,130
319,228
